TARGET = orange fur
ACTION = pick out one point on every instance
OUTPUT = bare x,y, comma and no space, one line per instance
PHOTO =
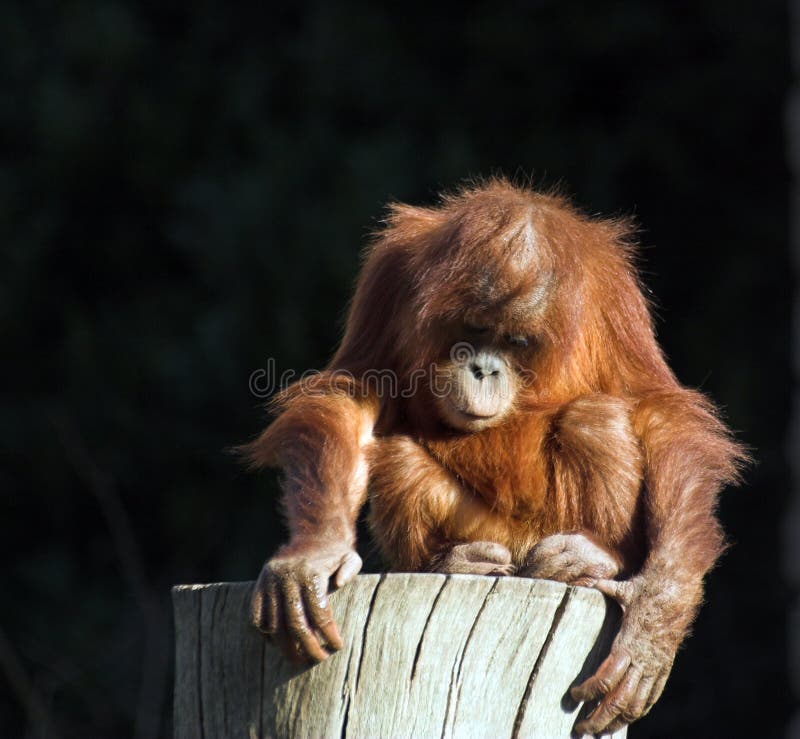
603,439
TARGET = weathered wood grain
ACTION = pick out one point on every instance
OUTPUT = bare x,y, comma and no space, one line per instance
424,655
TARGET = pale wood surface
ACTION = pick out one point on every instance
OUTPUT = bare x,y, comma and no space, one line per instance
424,655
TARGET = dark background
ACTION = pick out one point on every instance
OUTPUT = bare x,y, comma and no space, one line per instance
184,190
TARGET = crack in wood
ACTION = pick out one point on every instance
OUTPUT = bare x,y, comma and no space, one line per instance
346,681
449,696
458,681
348,690
220,602
425,628
366,628
346,718
346,699
523,704
200,718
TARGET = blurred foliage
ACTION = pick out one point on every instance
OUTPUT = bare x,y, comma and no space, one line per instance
184,190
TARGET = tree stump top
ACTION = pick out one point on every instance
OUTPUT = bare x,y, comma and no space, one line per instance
424,655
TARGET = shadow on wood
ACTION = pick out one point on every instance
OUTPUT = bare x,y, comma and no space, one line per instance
424,655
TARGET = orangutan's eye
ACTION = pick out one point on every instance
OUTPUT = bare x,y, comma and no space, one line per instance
477,329
517,340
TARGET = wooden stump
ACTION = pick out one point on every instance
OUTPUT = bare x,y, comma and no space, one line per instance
424,655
